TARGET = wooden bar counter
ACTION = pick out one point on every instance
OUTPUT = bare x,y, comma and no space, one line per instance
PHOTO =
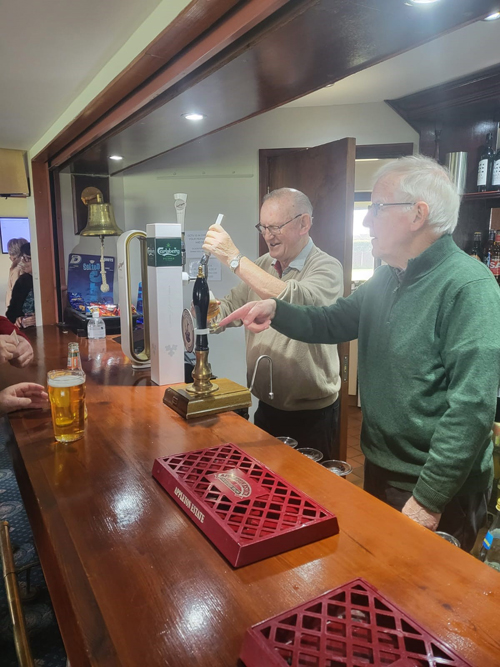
135,583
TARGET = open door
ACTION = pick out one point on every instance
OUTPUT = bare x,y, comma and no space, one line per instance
326,175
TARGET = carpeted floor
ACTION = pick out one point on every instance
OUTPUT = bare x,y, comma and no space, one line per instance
46,643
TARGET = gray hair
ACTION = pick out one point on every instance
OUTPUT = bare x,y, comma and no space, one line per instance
298,199
14,246
422,179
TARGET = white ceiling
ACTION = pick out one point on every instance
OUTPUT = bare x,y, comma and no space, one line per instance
50,50
457,54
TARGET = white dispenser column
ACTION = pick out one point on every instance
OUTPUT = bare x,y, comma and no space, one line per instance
165,302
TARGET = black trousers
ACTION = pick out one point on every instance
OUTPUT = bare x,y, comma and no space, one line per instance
463,516
311,428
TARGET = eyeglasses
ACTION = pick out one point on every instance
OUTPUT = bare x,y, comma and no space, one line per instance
275,229
375,208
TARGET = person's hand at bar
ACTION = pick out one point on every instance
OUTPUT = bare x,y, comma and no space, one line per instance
255,315
219,244
417,512
22,396
23,354
7,349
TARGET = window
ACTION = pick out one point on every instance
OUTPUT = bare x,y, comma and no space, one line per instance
363,263
13,228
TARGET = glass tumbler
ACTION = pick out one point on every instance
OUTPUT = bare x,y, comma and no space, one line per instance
288,441
340,468
313,454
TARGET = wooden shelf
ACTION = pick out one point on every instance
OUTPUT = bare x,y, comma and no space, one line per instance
481,196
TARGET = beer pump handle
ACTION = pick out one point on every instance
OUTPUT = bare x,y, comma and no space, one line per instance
201,300
206,255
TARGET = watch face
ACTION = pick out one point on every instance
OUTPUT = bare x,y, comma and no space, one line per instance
187,324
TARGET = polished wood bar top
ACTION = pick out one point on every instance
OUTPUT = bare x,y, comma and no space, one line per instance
135,583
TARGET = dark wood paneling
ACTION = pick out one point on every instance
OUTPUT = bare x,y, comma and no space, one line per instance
471,97
60,268
252,73
383,151
198,17
457,116
45,243
156,91
135,583
265,156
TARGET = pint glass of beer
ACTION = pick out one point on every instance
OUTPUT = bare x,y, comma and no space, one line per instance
67,402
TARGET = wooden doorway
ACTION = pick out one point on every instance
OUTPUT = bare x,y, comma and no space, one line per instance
326,174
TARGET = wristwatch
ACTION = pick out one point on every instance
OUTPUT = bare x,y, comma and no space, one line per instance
235,262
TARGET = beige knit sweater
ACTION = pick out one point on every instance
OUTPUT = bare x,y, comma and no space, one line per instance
305,377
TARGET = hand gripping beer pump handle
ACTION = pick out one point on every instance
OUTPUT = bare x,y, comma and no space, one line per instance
206,255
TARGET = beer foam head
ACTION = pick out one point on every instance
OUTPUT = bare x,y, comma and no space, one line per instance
65,380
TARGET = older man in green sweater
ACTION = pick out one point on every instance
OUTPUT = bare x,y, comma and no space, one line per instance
428,326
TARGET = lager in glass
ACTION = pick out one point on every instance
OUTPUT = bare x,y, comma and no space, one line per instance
67,402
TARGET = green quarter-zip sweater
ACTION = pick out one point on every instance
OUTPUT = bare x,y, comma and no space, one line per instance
429,368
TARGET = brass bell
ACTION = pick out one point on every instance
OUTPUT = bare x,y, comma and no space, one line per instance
101,220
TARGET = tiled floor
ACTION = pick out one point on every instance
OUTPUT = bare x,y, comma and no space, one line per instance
354,455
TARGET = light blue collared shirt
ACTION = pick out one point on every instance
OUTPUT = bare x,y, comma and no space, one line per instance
300,260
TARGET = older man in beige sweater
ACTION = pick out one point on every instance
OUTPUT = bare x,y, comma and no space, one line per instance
306,379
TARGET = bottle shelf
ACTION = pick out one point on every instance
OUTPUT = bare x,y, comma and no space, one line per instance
481,196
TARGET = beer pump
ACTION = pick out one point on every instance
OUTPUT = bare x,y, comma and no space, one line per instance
202,396
162,248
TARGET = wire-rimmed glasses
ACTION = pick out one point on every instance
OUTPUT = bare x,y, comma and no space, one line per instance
274,229
375,208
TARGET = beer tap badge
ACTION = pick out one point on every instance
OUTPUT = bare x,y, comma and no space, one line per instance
164,252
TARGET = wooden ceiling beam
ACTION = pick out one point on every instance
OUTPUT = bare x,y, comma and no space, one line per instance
222,34
198,17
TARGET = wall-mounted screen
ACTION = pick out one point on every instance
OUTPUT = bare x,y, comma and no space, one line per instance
13,228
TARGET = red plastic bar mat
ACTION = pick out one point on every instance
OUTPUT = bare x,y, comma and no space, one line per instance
350,626
246,510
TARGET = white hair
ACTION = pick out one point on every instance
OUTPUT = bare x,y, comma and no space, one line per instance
422,179
298,199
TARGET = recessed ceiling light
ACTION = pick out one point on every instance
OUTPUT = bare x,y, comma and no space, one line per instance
193,116
115,157
423,2
492,17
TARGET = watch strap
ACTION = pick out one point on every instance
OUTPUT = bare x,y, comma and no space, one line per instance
235,262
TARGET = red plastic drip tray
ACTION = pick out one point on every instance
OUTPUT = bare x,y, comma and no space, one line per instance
350,626
246,510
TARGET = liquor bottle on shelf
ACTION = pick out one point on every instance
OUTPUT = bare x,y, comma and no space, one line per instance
495,173
488,247
485,166
495,257
476,251
490,551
